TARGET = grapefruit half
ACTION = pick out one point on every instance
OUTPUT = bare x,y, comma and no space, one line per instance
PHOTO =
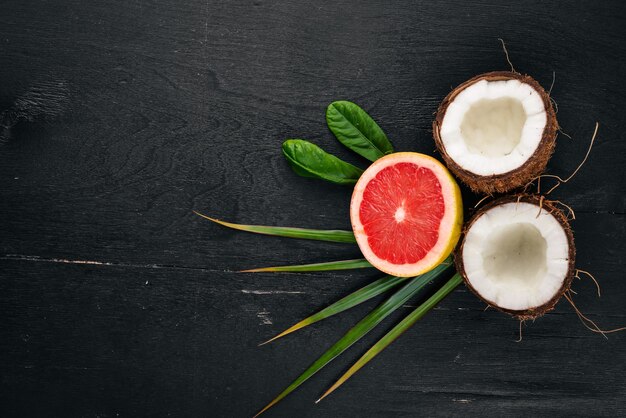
406,213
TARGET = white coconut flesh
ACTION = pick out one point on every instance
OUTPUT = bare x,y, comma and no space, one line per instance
493,127
515,259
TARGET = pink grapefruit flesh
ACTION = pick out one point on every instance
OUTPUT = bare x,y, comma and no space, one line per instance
406,213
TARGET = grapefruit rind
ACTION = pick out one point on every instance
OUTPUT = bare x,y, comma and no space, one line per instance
449,227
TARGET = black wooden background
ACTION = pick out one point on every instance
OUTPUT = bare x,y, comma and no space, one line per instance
123,117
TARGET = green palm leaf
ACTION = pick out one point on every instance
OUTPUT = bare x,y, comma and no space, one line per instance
302,233
358,263
372,290
391,336
363,327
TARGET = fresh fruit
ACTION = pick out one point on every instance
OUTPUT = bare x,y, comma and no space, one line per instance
518,255
406,213
496,131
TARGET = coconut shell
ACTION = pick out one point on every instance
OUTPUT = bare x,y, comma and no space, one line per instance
522,175
549,206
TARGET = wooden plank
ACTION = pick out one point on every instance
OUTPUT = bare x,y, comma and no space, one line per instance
116,299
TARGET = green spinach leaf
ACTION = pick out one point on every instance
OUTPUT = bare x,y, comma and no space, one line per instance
355,129
309,160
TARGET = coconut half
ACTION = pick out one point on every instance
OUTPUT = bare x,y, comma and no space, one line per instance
497,131
517,255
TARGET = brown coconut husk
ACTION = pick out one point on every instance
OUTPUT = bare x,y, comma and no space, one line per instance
534,165
553,209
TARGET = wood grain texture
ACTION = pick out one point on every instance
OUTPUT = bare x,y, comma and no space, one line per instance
116,299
